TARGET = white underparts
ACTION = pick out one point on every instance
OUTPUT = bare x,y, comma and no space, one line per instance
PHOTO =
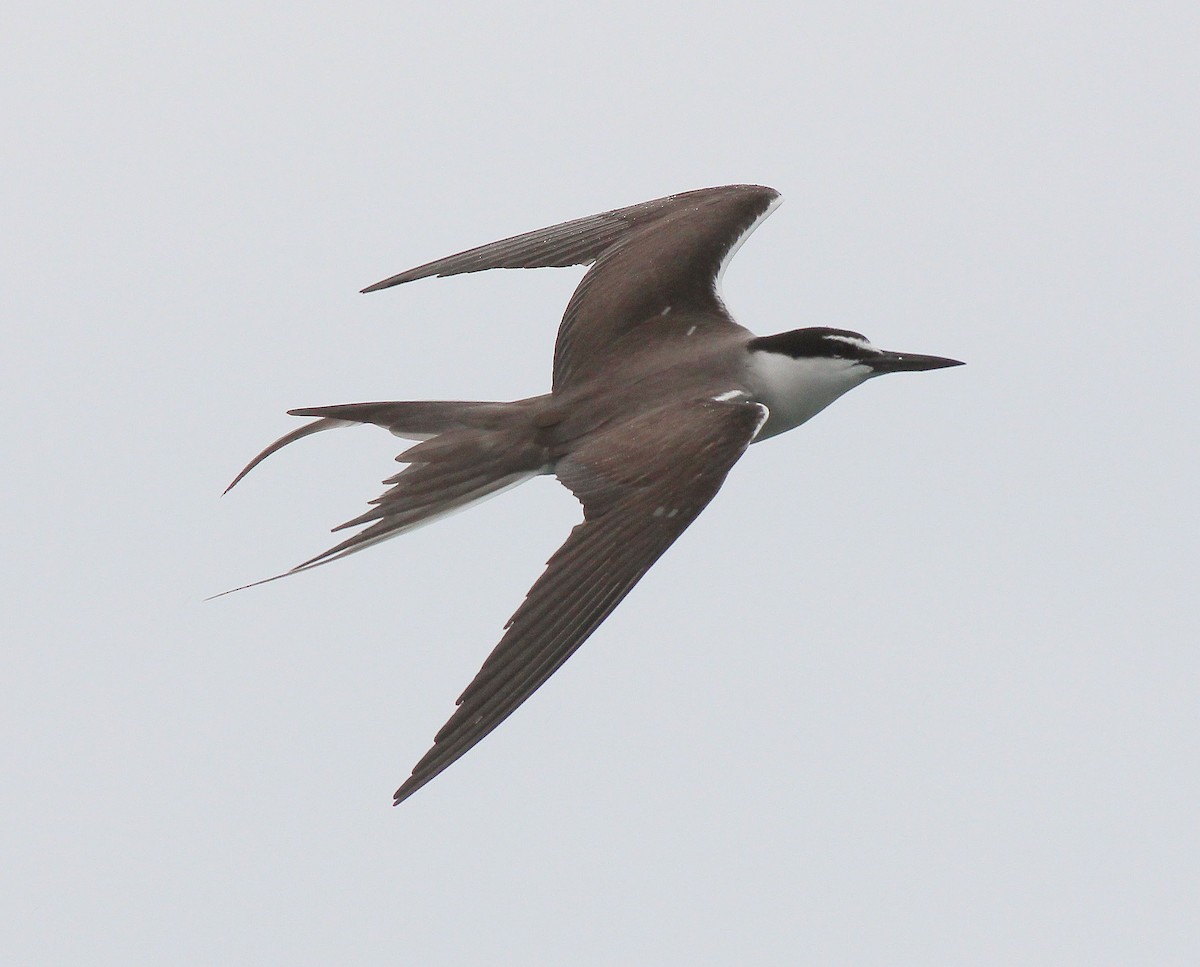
796,390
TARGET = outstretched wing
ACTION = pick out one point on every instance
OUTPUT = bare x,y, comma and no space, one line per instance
641,484
670,266
648,260
578,242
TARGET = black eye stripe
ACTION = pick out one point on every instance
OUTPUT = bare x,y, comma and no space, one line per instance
815,342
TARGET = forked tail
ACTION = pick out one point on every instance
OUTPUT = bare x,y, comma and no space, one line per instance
468,452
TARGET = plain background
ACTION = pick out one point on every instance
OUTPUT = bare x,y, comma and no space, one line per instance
919,688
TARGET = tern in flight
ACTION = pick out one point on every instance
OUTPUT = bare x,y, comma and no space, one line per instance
656,393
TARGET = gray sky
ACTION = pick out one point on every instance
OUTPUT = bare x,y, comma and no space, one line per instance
920,687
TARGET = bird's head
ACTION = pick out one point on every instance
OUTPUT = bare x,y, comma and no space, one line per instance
798,373
846,351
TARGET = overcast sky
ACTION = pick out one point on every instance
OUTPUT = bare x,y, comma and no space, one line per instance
920,687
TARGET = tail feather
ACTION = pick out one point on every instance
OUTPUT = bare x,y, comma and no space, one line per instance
417,420
439,487
474,451
413,420
316,426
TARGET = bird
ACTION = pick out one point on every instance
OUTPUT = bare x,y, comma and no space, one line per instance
656,392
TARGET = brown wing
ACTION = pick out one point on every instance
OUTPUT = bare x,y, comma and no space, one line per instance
641,485
668,265
578,242
664,254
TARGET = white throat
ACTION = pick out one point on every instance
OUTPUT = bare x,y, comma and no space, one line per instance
796,390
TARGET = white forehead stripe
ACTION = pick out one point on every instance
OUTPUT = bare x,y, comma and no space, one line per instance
853,341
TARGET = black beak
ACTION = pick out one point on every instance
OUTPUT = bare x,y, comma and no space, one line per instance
908,363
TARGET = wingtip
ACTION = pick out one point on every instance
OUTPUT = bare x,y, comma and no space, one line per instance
410,785
385,284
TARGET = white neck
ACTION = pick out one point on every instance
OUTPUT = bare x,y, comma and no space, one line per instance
796,390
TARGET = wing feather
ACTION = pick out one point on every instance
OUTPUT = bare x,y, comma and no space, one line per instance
641,485
577,242
647,260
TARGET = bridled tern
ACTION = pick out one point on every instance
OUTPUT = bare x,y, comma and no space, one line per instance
656,393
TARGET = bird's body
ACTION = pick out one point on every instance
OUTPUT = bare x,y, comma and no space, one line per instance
656,393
